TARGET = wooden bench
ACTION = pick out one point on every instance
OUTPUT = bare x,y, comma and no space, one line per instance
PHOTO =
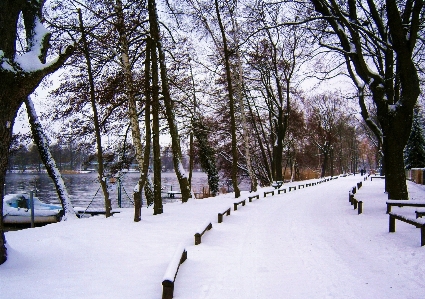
308,184
314,184
281,190
277,184
358,204
377,177
420,213
250,198
418,223
235,205
268,192
299,186
359,185
179,257
198,235
354,190
220,215
292,187
404,203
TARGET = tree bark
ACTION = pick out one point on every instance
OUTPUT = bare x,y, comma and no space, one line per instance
43,147
231,103
101,172
175,138
132,107
157,204
17,80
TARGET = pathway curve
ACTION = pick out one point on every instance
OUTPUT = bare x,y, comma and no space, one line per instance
304,244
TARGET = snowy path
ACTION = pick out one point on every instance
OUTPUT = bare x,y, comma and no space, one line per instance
307,243
304,244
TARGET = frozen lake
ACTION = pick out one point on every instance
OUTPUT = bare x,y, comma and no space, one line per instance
85,188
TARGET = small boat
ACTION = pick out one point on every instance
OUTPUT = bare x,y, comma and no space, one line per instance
17,210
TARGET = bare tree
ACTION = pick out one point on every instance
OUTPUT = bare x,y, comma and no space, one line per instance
378,40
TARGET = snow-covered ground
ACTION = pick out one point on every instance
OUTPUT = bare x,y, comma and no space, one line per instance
307,243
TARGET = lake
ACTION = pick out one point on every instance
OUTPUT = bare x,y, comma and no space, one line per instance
84,188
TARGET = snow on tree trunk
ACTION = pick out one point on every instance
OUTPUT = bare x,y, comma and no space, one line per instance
132,108
20,74
172,124
49,162
251,174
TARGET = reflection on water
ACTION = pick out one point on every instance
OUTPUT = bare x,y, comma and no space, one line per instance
84,189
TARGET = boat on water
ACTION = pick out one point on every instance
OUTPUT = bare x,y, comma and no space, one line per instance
17,210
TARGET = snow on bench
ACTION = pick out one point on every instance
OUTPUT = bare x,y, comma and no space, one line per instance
200,232
419,223
404,203
358,204
235,205
281,190
180,255
268,192
419,213
250,198
220,215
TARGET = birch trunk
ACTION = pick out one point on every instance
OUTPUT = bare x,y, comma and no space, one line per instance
132,107
239,93
49,162
157,203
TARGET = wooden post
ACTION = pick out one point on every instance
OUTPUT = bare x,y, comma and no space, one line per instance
197,238
32,207
220,218
167,289
360,210
392,224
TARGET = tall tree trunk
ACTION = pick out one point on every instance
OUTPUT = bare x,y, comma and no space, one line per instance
132,107
145,181
157,205
175,139
240,92
231,103
43,148
101,172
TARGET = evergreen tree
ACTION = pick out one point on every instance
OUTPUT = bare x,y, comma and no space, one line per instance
414,152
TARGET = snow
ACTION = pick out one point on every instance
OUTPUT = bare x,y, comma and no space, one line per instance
307,243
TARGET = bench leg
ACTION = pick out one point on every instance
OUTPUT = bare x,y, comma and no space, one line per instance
167,289
197,239
220,218
235,206
392,224
355,204
360,210
422,235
